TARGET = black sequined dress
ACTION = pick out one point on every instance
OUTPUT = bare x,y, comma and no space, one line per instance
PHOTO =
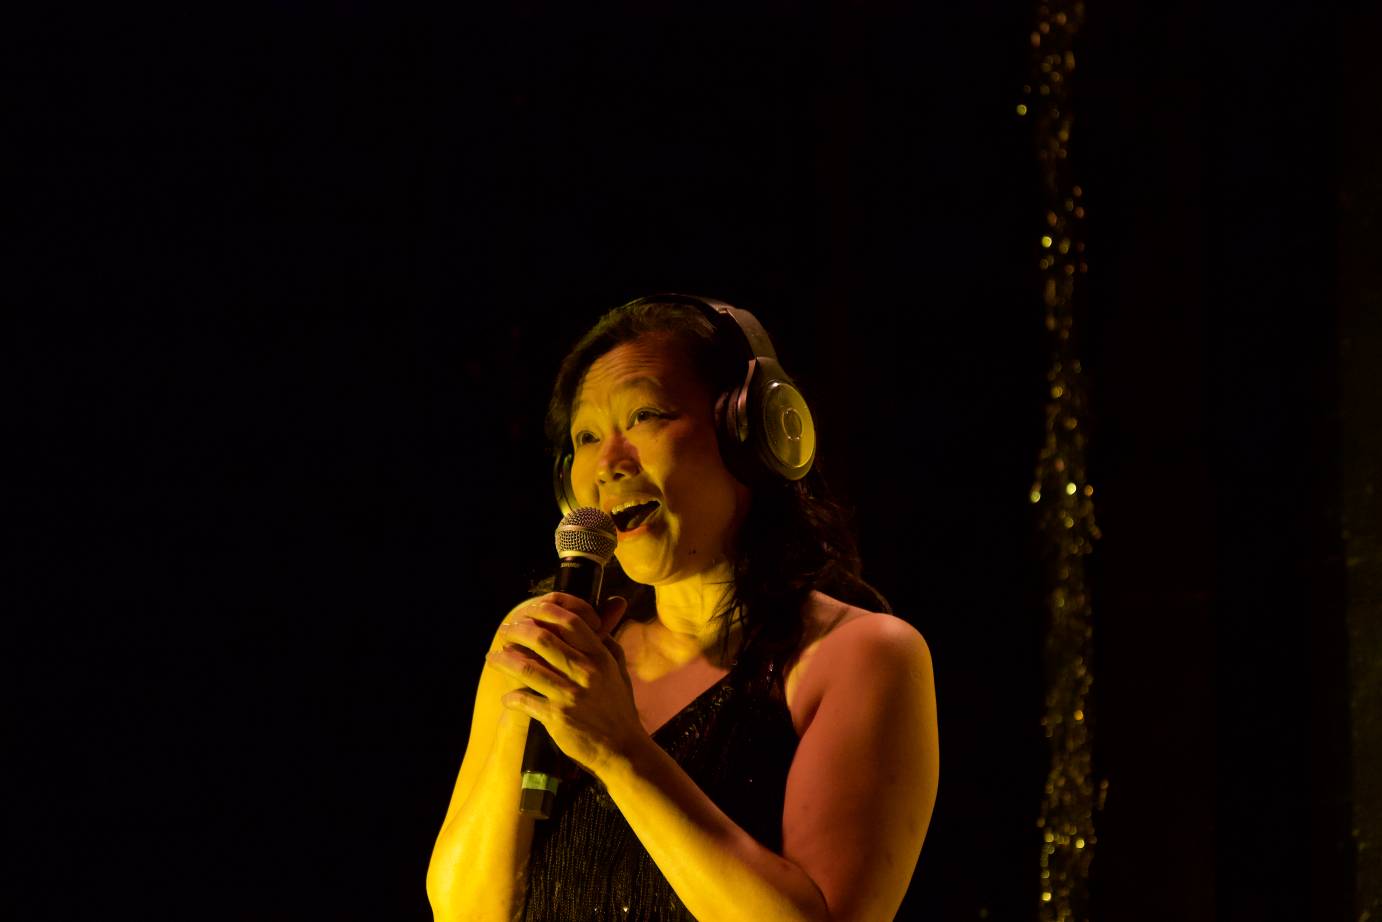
736,741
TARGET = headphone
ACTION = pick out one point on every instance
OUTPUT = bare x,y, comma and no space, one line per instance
763,425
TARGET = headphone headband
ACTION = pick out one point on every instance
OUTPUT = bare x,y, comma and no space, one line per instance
718,312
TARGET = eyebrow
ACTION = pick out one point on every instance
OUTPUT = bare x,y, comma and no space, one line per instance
621,387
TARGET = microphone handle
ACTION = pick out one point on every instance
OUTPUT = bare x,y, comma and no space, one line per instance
544,764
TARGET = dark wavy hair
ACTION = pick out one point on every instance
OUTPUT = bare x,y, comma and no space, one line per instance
795,537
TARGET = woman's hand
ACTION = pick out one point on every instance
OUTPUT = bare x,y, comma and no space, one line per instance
577,684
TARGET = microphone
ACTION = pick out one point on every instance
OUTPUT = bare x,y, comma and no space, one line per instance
586,540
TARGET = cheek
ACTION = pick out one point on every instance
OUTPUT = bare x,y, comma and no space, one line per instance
583,479
702,481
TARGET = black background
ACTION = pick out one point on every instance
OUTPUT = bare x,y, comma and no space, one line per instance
296,280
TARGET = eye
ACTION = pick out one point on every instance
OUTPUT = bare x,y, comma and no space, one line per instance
643,415
584,437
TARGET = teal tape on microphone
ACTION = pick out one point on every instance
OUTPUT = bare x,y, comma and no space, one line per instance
536,781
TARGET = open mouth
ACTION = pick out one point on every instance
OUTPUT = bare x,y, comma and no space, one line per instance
633,516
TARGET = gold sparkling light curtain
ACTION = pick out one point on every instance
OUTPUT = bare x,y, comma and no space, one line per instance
1061,490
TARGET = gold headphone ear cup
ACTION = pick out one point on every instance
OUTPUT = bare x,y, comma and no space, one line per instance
787,434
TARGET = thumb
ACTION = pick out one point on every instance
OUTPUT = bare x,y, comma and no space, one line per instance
612,611
617,652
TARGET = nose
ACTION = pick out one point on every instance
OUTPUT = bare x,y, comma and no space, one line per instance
618,459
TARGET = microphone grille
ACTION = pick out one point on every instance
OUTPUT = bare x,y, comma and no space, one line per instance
589,532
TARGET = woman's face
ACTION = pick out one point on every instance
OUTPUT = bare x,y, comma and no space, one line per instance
643,429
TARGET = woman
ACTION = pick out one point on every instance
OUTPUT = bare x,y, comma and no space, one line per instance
758,737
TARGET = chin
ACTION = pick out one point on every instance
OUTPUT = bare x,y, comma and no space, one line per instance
653,572
639,570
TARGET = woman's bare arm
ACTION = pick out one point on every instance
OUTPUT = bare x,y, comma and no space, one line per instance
479,860
863,784
479,863
859,797
717,869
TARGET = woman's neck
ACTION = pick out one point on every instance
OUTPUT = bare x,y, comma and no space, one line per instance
688,614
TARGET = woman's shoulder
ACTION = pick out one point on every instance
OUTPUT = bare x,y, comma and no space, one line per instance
827,620
844,645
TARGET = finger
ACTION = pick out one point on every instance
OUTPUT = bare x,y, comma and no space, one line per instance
547,641
532,671
574,604
618,653
573,629
612,611
530,703
614,647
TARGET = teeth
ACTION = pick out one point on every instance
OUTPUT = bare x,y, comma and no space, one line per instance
629,505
